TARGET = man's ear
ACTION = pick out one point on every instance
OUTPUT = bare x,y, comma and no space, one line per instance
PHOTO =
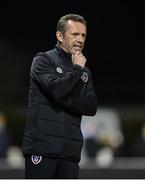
59,36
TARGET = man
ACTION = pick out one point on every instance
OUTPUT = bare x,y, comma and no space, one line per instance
61,91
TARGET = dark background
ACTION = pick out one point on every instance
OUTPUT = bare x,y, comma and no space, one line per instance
114,49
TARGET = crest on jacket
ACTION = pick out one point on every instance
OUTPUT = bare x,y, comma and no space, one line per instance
36,159
84,76
59,70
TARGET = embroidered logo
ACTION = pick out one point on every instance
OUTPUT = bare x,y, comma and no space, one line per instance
36,159
84,77
59,70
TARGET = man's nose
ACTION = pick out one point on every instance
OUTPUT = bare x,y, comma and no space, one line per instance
80,38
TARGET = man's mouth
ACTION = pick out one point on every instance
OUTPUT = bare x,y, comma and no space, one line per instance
77,48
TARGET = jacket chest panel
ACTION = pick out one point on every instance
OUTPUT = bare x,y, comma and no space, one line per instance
61,70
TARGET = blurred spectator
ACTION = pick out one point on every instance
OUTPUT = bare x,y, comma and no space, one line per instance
103,136
15,157
4,136
138,146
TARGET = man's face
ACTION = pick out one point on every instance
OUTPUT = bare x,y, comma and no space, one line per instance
74,37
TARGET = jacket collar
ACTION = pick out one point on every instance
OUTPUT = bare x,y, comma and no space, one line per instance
65,56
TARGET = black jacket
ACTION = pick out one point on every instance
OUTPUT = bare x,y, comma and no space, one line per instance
60,93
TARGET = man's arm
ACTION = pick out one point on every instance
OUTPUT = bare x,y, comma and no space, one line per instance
44,73
82,101
86,105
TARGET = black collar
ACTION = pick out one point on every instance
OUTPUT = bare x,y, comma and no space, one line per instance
66,57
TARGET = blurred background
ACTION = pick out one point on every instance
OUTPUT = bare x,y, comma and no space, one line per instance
115,138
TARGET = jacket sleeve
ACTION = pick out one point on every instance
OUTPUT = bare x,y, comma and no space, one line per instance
44,73
84,103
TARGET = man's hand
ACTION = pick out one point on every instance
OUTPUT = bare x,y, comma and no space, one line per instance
79,58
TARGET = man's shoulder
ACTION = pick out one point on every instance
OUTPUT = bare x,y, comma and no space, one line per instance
46,57
47,54
43,54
